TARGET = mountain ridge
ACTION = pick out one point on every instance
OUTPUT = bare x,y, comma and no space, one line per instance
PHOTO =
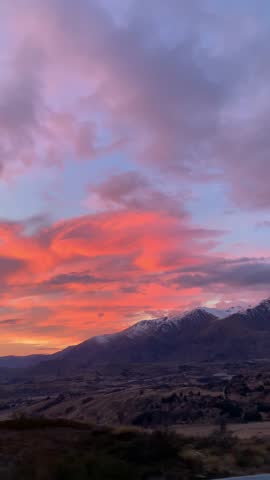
202,334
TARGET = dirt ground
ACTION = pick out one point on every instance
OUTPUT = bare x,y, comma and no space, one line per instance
241,430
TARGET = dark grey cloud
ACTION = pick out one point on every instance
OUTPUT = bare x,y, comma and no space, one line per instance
9,266
133,190
237,273
10,321
73,277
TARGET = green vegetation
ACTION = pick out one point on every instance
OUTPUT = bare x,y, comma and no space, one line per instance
42,449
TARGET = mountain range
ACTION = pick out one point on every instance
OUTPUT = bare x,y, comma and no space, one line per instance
203,334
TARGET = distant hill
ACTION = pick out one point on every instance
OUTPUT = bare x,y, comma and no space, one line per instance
13,361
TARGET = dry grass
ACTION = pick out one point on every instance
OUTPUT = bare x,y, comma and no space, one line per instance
240,430
42,449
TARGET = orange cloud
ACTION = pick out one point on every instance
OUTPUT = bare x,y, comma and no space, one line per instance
91,274
98,273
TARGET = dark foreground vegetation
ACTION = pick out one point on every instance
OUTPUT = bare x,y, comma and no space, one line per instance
43,449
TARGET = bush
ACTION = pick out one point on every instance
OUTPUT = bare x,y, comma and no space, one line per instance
192,459
42,449
109,468
252,416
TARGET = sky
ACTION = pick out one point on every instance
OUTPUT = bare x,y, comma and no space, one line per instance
134,163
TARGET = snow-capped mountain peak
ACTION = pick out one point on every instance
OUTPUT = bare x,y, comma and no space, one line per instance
166,323
265,304
144,327
176,320
196,335
223,313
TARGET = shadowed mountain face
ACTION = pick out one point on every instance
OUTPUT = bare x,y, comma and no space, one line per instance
157,340
198,335
241,336
195,336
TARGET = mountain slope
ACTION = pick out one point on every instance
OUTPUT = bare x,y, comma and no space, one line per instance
164,339
241,336
199,335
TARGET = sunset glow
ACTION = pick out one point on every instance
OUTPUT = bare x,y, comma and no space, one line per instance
134,162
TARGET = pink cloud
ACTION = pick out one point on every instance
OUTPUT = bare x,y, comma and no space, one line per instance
133,190
57,279
187,108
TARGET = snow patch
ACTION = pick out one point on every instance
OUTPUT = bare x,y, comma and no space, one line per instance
224,313
145,326
265,304
102,339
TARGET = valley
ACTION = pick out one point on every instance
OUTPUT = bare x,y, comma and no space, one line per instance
204,369
185,396
144,395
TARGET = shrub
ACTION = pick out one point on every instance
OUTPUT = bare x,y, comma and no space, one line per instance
252,416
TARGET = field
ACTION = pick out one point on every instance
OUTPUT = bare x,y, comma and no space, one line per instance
42,449
198,396
240,430
144,422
